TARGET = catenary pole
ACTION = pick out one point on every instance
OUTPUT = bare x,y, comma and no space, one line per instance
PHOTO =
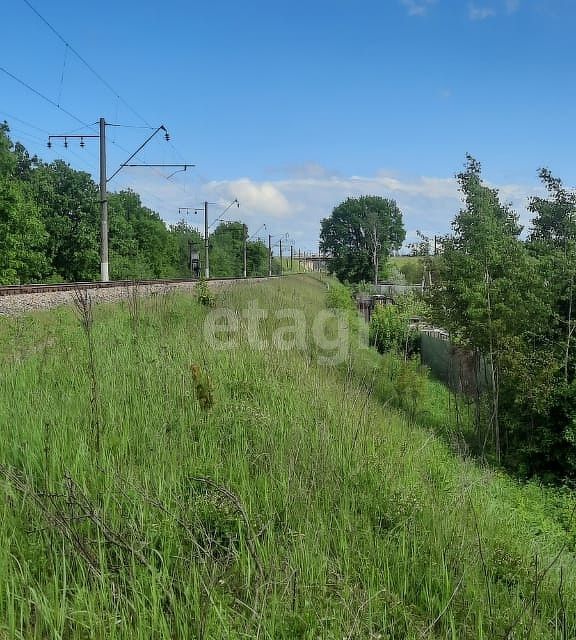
206,250
104,275
244,260
104,179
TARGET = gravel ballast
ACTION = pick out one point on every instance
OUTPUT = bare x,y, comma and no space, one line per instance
20,304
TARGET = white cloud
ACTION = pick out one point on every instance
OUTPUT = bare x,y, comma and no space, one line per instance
297,203
480,13
258,197
417,7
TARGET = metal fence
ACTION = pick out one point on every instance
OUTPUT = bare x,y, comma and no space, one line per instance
394,290
462,370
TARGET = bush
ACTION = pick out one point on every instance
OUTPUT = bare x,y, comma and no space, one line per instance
203,294
390,325
393,274
339,296
387,328
410,385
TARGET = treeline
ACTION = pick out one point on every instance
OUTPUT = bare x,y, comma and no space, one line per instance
50,229
513,299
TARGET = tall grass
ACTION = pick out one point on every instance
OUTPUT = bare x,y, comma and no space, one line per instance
295,505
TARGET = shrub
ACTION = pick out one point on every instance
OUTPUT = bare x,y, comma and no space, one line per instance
203,293
410,385
413,270
387,328
390,327
339,296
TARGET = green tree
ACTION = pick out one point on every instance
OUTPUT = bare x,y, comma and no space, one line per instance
488,293
257,258
140,242
513,301
359,236
68,202
548,432
226,250
183,238
22,232
150,234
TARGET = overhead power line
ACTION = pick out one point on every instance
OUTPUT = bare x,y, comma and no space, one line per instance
28,124
85,62
46,98
98,76
102,80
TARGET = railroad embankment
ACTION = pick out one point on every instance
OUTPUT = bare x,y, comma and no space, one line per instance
172,469
39,297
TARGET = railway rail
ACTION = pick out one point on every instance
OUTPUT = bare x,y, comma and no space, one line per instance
17,289
16,300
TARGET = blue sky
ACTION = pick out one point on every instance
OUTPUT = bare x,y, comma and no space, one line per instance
291,107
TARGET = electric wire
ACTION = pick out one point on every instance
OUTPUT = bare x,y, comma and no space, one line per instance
33,138
41,95
54,104
93,168
99,76
62,74
24,122
84,124
20,132
129,126
87,64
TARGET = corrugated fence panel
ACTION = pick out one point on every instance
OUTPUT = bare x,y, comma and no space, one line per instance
462,370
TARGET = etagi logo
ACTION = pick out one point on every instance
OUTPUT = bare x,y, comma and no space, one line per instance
284,330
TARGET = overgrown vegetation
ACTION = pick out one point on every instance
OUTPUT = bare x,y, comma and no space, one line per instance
513,300
394,327
50,229
203,293
297,506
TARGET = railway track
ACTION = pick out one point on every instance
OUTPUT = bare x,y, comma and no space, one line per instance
17,289
17,300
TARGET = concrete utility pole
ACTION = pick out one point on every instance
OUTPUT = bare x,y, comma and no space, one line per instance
104,179
104,275
269,255
244,257
206,249
376,247
207,227
281,265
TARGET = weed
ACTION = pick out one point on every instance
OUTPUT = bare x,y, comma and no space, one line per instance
309,507
203,294
202,387
83,303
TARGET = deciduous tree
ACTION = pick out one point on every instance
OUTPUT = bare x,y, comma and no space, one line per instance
359,236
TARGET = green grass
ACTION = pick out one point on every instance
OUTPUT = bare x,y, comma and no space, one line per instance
410,266
301,505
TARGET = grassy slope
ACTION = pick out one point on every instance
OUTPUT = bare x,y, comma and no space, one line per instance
345,520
